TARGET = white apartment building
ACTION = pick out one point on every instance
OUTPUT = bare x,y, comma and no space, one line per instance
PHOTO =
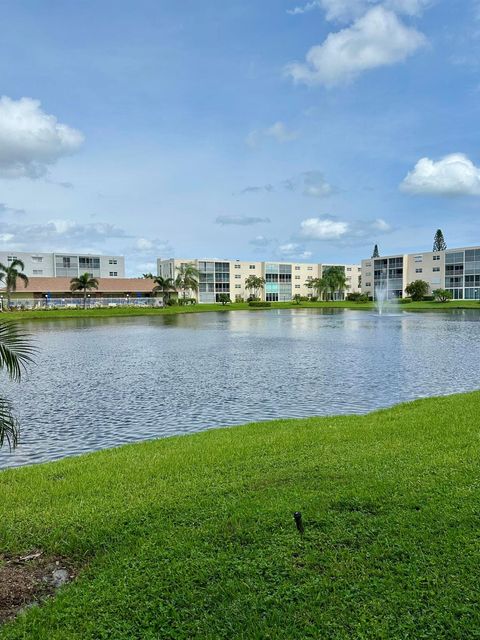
283,280
457,270
52,265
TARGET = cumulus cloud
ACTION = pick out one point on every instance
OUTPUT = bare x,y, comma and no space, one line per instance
293,250
278,131
240,220
323,229
452,175
32,140
346,10
261,241
376,39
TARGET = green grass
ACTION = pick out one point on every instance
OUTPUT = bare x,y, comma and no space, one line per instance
193,537
202,308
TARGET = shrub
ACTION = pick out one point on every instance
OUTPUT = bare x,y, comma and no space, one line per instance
428,298
253,299
313,299
297,298
224,298
259,304
404,300
357,297
442,295
417,289
238,298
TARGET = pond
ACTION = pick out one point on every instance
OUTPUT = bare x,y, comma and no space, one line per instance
103,383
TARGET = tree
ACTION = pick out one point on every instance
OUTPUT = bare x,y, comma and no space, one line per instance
417,289
15,353
297,298
376,253
442,295
254,283
83,283
9,274
148,275
336,279
187,278
319,285
224,298
164,286
439,243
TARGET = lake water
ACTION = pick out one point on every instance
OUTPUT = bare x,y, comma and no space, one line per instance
102,383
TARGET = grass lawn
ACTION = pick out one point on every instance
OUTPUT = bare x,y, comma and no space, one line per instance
193,537
202,308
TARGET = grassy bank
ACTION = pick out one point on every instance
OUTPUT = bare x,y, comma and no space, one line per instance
193,537
202,308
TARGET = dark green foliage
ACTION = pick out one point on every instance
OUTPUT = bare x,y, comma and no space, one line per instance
417,290
376,253
224,298
404,300
357,297
442,295
259,304
439,243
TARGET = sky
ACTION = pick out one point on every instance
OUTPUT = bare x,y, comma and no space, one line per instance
304,130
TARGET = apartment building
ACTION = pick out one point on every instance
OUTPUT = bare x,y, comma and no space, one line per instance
457,270
53,265
283,280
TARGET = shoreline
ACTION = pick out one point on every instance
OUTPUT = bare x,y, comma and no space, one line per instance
55,314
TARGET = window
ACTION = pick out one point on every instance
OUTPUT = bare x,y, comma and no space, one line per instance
114,273
12,258
238,266
37,259
310,268
368,264
251,266
112,262
369,273
238,286
297,277
349,268
419,270
237,275
297,286
436,257
435,269
418,258
37,272
297,268
368,284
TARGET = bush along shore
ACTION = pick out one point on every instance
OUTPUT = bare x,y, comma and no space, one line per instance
111,312
195,536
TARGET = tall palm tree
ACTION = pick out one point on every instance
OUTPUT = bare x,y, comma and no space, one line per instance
319,285
336,279
9,274
255,284
148,275
164,286
84,283
15,353
187,278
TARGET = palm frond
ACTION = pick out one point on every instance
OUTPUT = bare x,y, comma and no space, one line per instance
16,350
8,425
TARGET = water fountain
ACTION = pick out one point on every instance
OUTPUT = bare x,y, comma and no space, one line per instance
382,301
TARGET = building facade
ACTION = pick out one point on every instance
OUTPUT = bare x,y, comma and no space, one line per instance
283,280
53,265
457,270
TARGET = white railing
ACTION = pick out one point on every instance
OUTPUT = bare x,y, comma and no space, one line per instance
77,303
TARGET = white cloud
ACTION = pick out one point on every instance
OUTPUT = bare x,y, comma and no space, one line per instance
31,140
277,131
315,185
376,39
293,250
380,225
346,10
240,220
453,175
323,229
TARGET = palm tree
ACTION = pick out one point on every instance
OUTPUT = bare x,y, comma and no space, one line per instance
187,278
319,285
164,286
254,283
15,354
83,283
10,274
148,275
336,279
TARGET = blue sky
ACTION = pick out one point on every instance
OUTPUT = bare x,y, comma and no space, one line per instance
237,128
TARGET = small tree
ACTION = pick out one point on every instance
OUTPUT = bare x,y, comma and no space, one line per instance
376,253
10,274
297,298
417,289
442,295
255,284
83,283
224,298
187,279
165,287
439,243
